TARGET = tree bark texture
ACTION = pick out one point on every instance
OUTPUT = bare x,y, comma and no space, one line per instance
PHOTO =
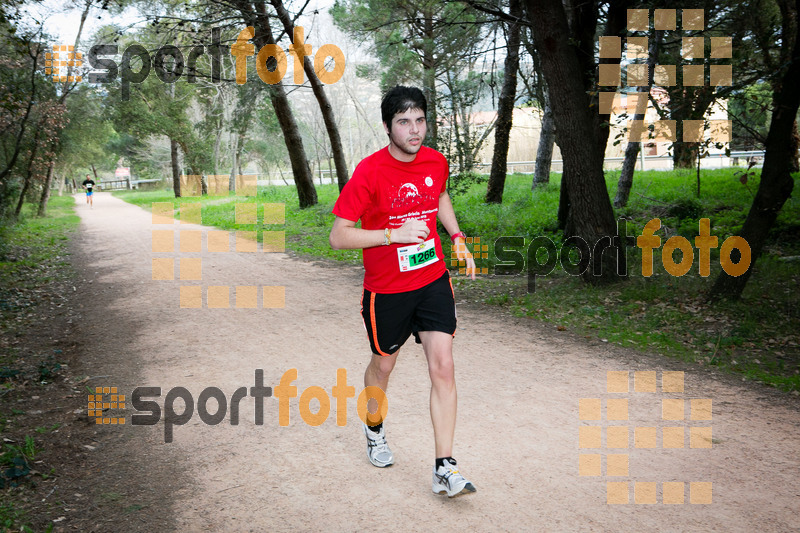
176,167
325,107
632,150
776,181
505,111
591,216
255,15
547,138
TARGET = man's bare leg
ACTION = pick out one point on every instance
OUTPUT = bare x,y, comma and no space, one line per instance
377,375
438,348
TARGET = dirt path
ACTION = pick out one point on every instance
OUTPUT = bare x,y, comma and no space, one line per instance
518,430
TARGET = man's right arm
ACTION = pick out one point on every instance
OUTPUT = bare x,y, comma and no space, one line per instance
346,236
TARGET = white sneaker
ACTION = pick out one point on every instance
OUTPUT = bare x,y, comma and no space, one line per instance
447,479
377,450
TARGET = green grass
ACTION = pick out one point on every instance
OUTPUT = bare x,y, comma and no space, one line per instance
306,229
756,337
33,258
33,254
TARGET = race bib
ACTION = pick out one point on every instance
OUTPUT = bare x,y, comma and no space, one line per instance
417,255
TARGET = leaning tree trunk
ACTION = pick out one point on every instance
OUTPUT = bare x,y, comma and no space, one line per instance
776,181
176,167
544,153
429,81
259,19
794,165
632,150
505,111
591,216
342,174
28,178
48,180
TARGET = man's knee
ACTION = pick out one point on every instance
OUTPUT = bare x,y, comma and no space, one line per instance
383,365
441,367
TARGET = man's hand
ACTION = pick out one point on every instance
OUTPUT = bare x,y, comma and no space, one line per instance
463,254
412,231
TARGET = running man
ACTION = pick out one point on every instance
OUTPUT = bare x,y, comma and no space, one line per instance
397,193
88,184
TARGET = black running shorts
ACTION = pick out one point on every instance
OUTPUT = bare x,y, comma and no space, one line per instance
391,318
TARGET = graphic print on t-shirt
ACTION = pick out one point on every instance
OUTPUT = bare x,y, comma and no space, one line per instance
408,197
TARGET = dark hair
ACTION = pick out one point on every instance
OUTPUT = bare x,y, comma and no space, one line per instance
400,99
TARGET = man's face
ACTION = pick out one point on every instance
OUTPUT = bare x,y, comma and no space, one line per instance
407,133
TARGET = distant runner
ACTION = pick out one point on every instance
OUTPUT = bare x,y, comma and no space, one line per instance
88,184
397,193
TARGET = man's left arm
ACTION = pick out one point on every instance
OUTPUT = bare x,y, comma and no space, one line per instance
447,216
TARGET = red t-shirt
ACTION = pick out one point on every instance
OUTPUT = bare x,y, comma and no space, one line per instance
384,193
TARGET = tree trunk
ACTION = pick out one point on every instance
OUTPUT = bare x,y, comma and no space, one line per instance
217,143
591,217
794,164
176,168
563,203
776,181
684,154
632,150
259,19
626,175
46,189
234,164
26,183
429,82
544,153
342,174
505,110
